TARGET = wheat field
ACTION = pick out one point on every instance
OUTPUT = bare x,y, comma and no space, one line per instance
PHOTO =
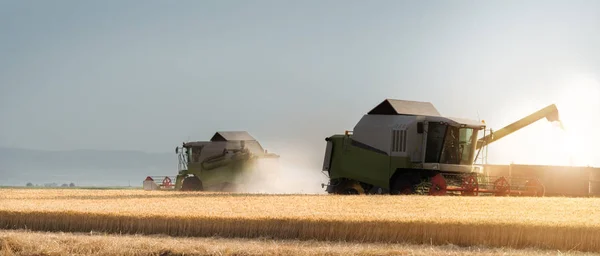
58,243
545,223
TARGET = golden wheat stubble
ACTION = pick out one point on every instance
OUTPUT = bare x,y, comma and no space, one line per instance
513,222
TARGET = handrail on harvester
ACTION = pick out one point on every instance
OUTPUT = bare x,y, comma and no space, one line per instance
550,112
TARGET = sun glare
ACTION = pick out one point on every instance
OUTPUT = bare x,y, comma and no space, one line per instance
578,107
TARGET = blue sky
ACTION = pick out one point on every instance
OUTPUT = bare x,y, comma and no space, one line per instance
147,75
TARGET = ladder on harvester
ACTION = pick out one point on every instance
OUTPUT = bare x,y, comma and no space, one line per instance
482,155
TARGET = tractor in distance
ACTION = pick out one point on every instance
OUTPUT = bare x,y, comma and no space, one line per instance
230,160
407,147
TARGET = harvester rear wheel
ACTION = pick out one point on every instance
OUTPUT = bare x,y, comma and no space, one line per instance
191,184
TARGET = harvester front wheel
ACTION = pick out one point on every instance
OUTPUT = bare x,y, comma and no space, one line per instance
402,186
350,188
191,184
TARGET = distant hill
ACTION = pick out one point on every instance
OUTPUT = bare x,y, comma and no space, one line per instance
83,167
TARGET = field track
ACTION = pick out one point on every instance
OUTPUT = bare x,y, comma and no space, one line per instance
545,223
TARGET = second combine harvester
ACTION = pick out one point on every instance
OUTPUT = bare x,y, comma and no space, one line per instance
407,147
230,161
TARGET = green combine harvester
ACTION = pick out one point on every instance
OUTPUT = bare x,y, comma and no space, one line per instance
227,162
407,147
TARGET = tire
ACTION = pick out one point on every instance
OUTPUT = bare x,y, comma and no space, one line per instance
402,186
191,184
350,188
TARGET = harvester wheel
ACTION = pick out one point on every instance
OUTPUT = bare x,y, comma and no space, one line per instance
438,185
402,186
350,188
191,184
351,191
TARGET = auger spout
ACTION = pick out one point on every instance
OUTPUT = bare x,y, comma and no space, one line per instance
550,113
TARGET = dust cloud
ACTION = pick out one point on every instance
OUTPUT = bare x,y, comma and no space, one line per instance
284,176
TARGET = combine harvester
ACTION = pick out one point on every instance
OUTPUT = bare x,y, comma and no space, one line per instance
228,162
407,147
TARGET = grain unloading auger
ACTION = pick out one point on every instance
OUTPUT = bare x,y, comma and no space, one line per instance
407,147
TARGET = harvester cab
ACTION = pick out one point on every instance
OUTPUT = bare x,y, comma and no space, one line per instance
225,163
407,147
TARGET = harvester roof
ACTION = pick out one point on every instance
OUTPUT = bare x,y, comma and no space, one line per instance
418,108
232,136
404,107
